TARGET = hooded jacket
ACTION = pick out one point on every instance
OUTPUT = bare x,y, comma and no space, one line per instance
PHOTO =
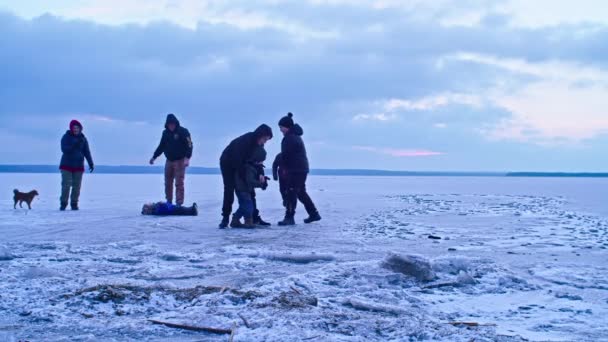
277,167
293,151
175,145
75,150
241,149
249,178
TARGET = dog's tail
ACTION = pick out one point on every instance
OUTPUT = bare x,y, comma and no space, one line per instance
15,191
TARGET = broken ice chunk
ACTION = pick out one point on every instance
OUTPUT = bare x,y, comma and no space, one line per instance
412,265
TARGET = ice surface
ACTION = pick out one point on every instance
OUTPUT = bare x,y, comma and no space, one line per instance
527,255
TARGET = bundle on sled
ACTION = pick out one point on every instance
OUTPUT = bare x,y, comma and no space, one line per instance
168,209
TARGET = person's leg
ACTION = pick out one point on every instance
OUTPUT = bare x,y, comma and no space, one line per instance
180,175
169,177
299,186
291,200
66,185
304,198
293,191
257,219
228,175
283,190
76,185
256,212
241,212
248,208
186,211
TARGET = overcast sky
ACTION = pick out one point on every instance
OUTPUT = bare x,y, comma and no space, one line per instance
386,84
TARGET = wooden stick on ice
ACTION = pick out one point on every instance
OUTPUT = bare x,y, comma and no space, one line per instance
193,328
471,324
245,321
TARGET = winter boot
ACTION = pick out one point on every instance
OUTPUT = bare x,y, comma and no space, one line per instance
74,206
194,209
63,206
314,217
257,220
224,223
236,222
288,220
249,223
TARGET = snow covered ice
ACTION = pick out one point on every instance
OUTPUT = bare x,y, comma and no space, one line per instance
395,258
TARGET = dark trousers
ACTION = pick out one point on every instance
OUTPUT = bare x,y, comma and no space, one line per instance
245,206
283,189
70,181
185,211
296,190
228,177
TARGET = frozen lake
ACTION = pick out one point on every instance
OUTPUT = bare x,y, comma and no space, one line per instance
524,257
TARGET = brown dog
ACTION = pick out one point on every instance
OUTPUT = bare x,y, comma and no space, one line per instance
24,197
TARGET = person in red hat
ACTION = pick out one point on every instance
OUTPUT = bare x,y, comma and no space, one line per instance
75,148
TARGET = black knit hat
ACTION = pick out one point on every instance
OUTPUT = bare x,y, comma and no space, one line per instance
287,121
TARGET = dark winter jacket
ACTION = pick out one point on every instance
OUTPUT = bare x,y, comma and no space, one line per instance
240,149
249,179
175,145
293,151
277,167
75,150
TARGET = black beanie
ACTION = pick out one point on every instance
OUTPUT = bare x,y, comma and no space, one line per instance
287,121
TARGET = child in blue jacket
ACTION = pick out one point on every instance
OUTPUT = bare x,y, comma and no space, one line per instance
168,209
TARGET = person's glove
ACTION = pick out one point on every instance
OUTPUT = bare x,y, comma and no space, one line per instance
275,177
152,161
91,168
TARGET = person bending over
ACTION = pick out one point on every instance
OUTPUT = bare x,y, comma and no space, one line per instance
246,181
234,156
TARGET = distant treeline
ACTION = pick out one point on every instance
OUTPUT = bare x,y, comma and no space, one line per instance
558,174
125,169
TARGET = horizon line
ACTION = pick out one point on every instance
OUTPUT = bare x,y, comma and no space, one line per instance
154,169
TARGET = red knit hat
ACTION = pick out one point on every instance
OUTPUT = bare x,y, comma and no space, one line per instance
75,123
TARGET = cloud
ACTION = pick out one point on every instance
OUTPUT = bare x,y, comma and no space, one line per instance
553,113
372,73
398,152
543,13
562,102
546,70
392,109
186,13
382,117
